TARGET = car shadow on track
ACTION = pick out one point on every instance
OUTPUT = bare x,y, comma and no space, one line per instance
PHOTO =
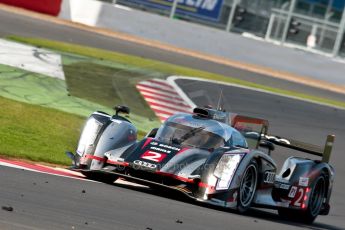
254,212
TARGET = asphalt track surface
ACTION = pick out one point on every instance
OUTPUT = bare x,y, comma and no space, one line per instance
43,201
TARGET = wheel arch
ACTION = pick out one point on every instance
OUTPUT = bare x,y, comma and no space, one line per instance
259,158
329,173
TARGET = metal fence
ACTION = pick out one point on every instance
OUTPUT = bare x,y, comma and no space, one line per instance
313,24
303,30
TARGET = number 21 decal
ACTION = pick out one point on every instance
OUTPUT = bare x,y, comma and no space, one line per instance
297,194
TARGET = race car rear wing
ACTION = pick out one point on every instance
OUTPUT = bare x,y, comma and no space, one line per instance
251,127
255,131
324,152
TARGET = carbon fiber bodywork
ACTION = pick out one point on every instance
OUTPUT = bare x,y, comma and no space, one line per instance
115,151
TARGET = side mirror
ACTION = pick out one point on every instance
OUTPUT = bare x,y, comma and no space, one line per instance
268,145
121,109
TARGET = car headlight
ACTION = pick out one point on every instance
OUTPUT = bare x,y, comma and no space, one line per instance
88,136
225,170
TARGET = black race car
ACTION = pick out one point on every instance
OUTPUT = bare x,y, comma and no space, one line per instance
211,156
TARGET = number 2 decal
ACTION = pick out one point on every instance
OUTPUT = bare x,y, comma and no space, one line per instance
153,156
299,198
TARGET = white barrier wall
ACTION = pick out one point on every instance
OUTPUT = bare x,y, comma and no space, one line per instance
82,11
202,39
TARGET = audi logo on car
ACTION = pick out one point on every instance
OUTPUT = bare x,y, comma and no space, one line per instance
145,164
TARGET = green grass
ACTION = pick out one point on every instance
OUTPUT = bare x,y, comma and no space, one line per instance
107,86
92,87
31,127
37,133
164,68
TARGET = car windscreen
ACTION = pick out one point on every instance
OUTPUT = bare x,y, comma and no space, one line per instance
196,137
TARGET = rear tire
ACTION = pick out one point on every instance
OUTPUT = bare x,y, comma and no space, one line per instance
247,189
314,205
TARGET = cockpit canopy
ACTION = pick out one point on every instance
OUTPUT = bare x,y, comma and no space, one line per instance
198,132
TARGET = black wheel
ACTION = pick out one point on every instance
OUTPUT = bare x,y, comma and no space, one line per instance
100,177
314,205
247,187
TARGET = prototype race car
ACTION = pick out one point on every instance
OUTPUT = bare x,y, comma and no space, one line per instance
211,156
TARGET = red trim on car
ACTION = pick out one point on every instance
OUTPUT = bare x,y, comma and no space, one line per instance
102,159
204,185
148,140
118,163
240,118
182,151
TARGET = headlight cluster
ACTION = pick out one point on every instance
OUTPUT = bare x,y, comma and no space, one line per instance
225,169
88,136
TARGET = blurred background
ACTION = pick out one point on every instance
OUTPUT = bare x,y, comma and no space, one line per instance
312,24
315,25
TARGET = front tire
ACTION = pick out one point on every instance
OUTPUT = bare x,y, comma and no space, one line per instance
314,205
247,189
